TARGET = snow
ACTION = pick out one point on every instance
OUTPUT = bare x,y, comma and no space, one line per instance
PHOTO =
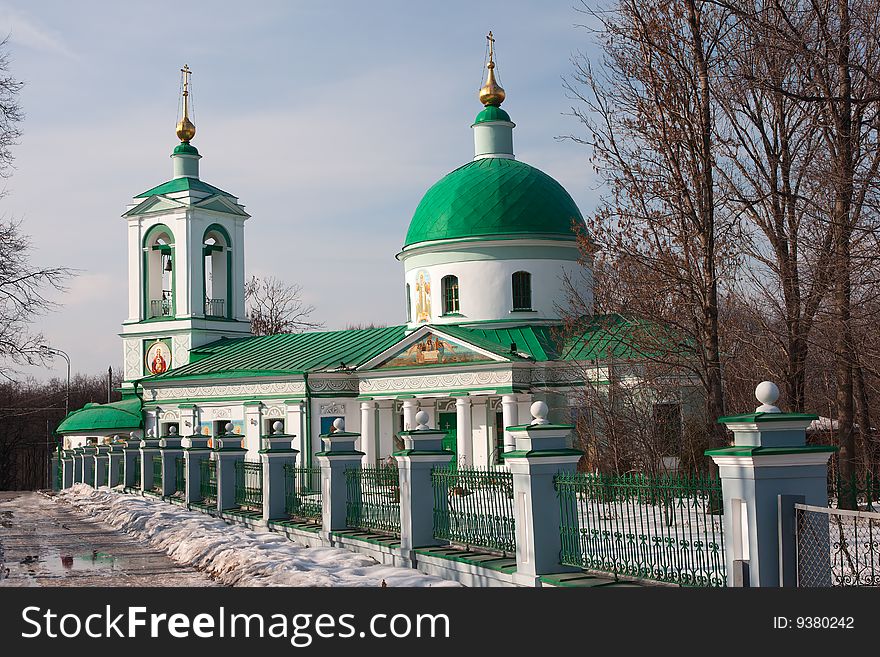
234,554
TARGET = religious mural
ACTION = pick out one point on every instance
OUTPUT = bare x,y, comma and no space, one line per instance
434,350
423,296
158,357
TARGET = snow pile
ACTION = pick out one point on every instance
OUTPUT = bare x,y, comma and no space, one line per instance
234,554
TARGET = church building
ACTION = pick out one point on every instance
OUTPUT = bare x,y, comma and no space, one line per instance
484,259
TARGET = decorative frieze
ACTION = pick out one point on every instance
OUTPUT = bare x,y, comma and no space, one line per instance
223,391
452,381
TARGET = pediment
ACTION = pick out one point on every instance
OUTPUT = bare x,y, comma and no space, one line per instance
219,203
427,347
155,204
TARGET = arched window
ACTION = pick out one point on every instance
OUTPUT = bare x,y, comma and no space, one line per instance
449,288
522,290
159,273
217,267
408,304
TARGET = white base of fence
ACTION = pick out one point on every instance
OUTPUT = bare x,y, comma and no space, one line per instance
464,573
390,555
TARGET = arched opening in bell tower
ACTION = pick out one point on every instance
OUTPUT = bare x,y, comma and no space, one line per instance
159,273
217,269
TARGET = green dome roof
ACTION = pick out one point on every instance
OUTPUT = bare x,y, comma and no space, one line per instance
491,113
125,414
492,197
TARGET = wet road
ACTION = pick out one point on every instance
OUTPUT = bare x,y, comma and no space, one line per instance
46,543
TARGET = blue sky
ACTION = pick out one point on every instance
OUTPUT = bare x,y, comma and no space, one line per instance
328,120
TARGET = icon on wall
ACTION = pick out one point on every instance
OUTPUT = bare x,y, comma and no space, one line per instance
423,296
158,357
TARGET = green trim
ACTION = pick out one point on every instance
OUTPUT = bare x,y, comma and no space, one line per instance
278,451
758,418
343,434
533,453
540,427
183,184
252,403
353,452
770,451
424,452
423,432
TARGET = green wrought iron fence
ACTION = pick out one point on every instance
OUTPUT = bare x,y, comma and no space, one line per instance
179,475
373,500
474,507
120,472
157,471
208,480
302,493
105,475
665,528
855,492
137,472
249,485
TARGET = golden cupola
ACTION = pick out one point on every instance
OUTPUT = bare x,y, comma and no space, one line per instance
186,129
491,93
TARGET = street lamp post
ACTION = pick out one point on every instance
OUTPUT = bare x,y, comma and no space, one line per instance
52,351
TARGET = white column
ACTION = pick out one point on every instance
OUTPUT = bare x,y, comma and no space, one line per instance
410,408
368,432
387,428
295,426
464,434
480,449
510,416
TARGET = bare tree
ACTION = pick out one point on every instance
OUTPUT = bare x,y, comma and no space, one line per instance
23,286
277,307
649,110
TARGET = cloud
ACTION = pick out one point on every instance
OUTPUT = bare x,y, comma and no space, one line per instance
25,31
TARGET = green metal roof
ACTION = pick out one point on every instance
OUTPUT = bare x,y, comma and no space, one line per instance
286,353
115,416
297,353
491,113
183,184
494,196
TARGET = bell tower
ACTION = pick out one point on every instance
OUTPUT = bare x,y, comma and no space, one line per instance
185,263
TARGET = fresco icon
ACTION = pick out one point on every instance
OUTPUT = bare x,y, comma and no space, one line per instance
434,350
423,296
158,358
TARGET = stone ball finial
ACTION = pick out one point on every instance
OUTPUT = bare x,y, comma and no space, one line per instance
277,426
339,424
539,411
421,421
229,427
172,430
767,393
132,435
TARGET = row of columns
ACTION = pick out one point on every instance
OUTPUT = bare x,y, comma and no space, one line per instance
377,423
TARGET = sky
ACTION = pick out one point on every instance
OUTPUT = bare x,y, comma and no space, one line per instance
329,121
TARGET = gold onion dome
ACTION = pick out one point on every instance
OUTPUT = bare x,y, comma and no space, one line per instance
491,93
186,129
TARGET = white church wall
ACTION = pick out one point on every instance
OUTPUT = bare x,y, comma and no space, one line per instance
485,288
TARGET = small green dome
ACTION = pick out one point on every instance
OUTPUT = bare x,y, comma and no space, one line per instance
493,197
491,113
185,147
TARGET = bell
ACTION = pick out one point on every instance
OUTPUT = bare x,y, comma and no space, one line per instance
168,264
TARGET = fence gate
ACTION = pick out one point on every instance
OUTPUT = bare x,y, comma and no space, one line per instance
836,547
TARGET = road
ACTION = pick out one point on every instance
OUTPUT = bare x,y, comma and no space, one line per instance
45,543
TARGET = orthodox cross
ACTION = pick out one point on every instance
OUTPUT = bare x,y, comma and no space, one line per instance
491,41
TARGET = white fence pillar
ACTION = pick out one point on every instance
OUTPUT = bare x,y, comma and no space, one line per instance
464,431
338,454
542,450
195,450
227,452
769,463
423,449
170,449
278,451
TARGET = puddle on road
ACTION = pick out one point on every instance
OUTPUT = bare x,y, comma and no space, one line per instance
61,564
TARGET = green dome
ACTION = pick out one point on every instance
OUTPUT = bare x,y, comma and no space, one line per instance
115,416
186,148
491,113
494,197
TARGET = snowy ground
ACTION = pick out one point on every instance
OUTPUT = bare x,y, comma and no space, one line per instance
233,554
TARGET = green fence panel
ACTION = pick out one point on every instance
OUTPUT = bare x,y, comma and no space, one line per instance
157,472
137,471
666,528
249,485
373,499
474,507
302,493
208,481
179,475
